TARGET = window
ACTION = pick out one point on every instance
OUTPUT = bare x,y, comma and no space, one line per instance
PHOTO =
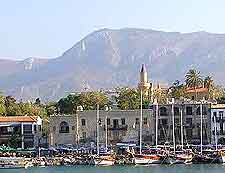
99,121
73,127
177,120
35,128
189,134
189,121
176,111
123,121
220,115
27,128
164,122
84,135
108,121
204,110
163,111
189,110
39,128
137,121
115,123
64,127
83,122
145,120
214,117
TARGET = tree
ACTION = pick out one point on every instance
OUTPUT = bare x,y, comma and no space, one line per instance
129,98
51,108
160,95
208,82
68,105
193,80
89,100
177,90
2,105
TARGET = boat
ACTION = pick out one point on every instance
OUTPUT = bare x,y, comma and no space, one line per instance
145,159
13,163
102,160
207,157
222,153
181,157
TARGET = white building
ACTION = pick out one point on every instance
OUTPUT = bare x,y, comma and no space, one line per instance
25,131
218,123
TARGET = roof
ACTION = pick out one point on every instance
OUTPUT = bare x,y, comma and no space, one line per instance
143,69
19,119
198,90
218,106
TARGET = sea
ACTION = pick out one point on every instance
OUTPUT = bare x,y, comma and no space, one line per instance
192,168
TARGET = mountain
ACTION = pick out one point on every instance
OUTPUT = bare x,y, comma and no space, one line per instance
108,58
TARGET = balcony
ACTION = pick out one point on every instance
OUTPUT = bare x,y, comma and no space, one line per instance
118,127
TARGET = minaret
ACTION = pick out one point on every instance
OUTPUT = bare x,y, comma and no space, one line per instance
143,84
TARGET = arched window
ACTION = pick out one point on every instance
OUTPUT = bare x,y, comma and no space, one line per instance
163,111
64,127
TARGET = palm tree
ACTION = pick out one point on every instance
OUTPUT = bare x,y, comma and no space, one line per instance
193,80
208,82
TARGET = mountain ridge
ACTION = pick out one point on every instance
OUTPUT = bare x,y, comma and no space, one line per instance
108,58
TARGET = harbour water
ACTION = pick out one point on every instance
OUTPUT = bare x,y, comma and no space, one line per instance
193,168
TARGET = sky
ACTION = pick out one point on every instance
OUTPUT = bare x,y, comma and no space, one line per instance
47,28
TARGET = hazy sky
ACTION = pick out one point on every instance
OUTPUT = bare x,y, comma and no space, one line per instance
47,28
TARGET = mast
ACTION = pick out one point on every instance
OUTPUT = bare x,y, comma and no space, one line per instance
97,128
106,133
215,131
181,127
141,116
201,125
173,119
156,123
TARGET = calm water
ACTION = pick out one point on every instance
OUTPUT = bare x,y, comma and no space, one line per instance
125,169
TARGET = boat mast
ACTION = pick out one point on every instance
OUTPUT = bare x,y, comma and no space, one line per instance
173,119
141,116
97,128
181,127
156,123
201,125
106,134
215,131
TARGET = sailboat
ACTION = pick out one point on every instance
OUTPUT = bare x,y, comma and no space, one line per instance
150,156
182,156
104,158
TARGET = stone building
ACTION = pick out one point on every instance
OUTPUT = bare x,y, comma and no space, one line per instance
122,126
191,118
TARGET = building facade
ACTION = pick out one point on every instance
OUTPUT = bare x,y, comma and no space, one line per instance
218,123
20,131
124,125
191,122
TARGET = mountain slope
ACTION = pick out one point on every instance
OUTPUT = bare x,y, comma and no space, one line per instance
109,58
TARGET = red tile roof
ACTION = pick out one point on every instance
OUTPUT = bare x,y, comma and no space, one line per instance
19,119
198,90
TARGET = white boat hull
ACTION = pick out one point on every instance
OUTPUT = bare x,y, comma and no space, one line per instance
102,162
140,161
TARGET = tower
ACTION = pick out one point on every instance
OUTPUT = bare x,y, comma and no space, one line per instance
143,84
